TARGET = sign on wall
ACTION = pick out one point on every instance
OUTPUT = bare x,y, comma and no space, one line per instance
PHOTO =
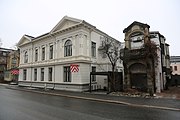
74,68
15,72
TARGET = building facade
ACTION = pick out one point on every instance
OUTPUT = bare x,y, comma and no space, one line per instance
12,71
143,71
64,57
164,74
3,62
175,68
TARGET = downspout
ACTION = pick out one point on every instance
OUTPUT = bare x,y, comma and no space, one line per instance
90,82
54,79
32,62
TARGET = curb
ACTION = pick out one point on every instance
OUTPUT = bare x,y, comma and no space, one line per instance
98,100
167,97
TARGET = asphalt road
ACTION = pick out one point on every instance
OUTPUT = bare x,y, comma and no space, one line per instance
20,105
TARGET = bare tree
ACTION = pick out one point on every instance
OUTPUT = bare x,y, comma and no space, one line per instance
111,48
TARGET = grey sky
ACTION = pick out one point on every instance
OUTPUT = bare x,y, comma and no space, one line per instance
36,17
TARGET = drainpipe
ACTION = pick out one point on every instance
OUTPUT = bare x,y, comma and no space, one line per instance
32,62
54,78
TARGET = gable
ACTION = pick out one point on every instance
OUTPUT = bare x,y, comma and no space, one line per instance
66,22
136,24
135,27
25,39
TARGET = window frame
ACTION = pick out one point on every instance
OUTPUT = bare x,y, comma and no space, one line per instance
25,57
51,47
67,74
50,73
42,74
93,49
175,68
24,74
36,54
68,48
14,60
93,76
35,74
43,53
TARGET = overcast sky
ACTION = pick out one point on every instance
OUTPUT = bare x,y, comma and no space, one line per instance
36,17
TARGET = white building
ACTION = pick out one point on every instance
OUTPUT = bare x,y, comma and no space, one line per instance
64,57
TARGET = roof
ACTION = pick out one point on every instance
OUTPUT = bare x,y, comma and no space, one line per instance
135,23
157,32
175,59
29,36
59,28
40,36
6,49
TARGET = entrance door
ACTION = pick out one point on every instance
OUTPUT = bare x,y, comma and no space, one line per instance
138,76
139,81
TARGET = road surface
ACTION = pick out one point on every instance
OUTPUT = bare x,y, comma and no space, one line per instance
21,105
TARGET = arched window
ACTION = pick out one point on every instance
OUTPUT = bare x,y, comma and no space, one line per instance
68,48
25,57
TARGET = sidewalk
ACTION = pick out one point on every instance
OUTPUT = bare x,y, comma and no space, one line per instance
156,103
173,93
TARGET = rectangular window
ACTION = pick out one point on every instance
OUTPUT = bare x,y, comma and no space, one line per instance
51,52
35,74
43,53
14,60
42,74
24,74
171,68
93,76
175,68
50,74
67,74
93,49
4,54
36,55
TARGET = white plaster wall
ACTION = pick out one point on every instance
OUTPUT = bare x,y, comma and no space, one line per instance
58,74
158,72
84,72
136,45
81,51
20,78
156,40
158,68
28,75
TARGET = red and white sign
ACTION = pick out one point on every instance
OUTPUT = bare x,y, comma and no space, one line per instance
74,68
15,72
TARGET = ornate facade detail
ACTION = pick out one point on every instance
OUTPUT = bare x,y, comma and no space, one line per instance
141,59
